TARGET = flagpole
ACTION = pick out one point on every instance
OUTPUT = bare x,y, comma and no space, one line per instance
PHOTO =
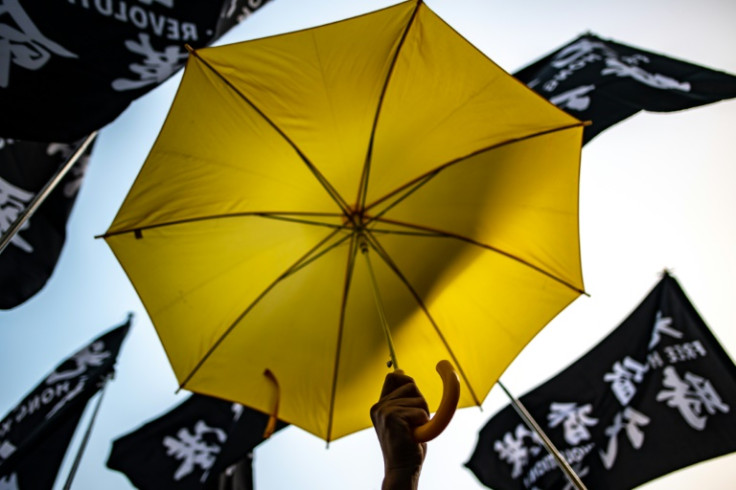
41,196
85,439
532,424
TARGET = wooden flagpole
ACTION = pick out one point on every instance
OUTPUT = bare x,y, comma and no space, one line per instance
41,196
85,439
532,424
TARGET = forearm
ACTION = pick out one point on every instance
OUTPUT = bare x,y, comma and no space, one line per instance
402,479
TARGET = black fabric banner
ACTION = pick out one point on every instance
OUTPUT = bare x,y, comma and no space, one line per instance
25,168
68,68
656,395
190,446
605,82
37,432
25,474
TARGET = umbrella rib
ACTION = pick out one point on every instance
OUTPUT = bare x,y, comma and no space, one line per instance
341,328
363,187
424,178
385,231
279,215
405,191
392,265
287,217
301,262
455,236
317,174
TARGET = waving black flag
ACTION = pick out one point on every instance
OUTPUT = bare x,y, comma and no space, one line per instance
66,69
37,432
190,446
656,395
79,63
25,474
25,167
605,82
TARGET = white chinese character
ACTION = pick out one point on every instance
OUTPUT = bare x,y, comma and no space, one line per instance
513,451
237,410
690,396
6,450
624,376
622,69
575,420
22,43
13,201
156,66
662,325
194,450
633,420
578,55
580,52
91,356
9,482
575,99
65,150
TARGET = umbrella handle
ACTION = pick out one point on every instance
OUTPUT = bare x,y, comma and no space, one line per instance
448,404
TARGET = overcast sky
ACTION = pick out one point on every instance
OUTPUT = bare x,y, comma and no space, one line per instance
657,191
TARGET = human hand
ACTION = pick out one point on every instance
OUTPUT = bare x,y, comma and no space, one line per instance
400,408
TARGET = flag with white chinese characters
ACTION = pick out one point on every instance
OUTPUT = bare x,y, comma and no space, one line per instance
37,432
656,395
25,167
190,446
605,82
69,67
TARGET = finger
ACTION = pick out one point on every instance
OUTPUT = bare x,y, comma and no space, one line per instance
393,381
390,408
412,416
407,394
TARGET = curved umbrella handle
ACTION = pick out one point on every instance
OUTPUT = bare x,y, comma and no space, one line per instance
448,404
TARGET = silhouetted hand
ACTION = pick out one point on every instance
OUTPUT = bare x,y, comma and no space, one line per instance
400,408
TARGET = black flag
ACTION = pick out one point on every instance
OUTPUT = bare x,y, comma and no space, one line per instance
37,432
656,395
25,474
79,63
605,82
190,446
25,168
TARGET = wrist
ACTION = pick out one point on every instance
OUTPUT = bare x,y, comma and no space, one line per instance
405,478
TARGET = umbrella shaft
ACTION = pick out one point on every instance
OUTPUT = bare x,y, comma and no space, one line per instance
379,305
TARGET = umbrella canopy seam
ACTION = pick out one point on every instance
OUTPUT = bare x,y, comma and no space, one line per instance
341,327
318,175
440,233
432,173
363,186
308,257
279,215
375,245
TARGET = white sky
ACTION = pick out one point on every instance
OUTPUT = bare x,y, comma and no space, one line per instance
656,192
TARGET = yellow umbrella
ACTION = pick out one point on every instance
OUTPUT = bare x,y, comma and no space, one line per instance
291,169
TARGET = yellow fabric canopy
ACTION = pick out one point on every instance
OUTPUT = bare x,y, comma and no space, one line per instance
281,157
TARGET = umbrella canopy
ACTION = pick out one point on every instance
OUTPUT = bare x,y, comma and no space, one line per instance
291,169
